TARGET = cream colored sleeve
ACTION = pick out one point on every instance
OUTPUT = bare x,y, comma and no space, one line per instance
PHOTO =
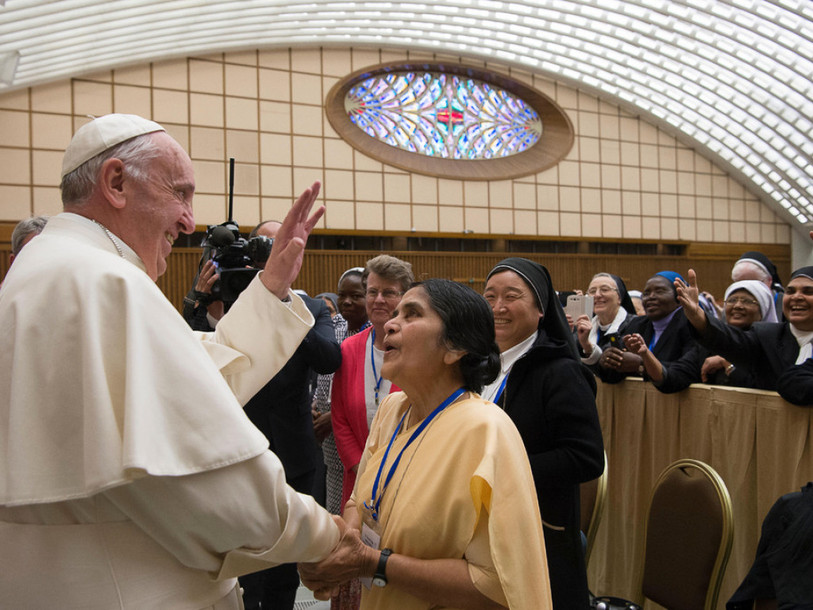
482,572
255,339
232,520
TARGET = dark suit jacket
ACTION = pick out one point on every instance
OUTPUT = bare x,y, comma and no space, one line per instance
282,409
796,384
783,567
685,371
769,348
550,396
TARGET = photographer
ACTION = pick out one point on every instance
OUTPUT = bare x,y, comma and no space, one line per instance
213,292
200,310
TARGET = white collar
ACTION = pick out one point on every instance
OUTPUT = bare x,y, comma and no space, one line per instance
512,354
116,244
620,316
802,336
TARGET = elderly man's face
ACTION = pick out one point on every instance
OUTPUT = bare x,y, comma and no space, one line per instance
159,208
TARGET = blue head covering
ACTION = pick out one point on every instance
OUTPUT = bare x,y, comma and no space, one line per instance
671,276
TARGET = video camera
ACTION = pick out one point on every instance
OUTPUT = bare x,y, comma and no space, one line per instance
236,259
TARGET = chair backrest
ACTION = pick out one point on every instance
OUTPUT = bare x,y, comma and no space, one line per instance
689,533
592,496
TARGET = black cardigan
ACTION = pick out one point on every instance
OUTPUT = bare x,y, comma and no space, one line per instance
550,396
796,384
769,348
685,371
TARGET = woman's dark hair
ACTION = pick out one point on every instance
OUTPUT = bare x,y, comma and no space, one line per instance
468,326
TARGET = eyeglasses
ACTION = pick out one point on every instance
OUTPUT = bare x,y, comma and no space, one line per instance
734,301
388,294
602,290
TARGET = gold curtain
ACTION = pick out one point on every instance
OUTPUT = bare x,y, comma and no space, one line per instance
758,443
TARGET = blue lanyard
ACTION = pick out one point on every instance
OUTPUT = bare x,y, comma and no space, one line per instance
376,503
500,390
377,377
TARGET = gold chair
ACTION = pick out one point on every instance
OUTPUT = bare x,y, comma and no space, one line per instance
593,495
689,533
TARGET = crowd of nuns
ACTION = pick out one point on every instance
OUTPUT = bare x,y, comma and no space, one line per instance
757,336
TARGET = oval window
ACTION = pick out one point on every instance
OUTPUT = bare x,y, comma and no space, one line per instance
449,121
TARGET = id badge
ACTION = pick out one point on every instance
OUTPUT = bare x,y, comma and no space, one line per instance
372,539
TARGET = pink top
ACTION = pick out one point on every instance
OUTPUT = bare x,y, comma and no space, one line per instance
349,408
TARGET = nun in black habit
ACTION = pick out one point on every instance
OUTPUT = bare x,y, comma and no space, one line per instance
550,396
775,350
613,311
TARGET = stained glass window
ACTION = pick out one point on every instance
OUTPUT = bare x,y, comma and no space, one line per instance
449,120
448,116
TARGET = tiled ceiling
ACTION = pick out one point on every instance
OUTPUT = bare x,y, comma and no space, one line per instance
730,78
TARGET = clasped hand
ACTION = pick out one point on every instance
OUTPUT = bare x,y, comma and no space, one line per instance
612,358
350,559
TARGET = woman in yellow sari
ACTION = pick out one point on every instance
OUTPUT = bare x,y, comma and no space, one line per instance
444,513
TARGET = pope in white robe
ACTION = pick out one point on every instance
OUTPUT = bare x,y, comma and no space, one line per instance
130,476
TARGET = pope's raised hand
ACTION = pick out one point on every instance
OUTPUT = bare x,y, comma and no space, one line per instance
286,256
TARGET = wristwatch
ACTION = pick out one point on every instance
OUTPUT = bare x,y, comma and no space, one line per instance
380,576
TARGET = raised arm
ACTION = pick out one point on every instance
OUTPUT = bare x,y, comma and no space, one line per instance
688,296
286,256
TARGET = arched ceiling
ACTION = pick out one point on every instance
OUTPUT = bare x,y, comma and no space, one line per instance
730,78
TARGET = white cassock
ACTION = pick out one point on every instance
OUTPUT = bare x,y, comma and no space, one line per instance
130,476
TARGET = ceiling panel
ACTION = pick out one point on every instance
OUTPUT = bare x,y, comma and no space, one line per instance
732,78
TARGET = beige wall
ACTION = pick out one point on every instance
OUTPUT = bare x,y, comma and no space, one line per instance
623,179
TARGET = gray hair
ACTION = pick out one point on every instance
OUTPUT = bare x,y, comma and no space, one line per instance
391,269
604,274
136,154
745,265
24,228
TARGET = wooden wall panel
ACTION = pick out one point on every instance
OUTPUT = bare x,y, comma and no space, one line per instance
321,268
569,271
